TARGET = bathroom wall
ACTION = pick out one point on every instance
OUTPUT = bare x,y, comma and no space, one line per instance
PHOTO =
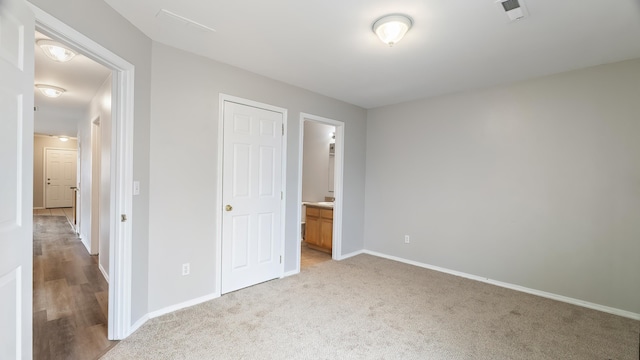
315,162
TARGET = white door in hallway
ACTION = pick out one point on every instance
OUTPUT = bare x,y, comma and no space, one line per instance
251,195
60,177
17,26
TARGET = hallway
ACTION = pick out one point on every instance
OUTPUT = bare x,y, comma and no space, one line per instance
70,295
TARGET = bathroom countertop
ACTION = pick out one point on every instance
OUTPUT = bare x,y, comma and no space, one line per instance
322,204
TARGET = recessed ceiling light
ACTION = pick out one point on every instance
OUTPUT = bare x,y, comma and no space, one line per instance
392,28
55,51
50,91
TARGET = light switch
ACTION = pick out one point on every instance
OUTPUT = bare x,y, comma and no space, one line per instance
136,188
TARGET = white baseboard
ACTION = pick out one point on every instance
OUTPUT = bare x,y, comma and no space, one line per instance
565,299
355,253
104,272
290,273
183,305
586,304
138,324
84,241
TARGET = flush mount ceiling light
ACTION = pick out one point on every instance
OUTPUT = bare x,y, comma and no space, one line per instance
392,28
56,51
50,91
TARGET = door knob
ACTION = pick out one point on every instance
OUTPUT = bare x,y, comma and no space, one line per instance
228,207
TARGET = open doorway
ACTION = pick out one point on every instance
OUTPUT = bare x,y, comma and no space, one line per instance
116,205
70,270
320,184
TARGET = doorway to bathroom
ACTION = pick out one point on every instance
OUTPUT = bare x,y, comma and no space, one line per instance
320,185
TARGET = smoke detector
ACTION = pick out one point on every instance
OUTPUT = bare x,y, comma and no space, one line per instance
514,8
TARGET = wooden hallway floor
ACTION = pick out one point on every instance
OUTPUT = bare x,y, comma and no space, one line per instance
68,212
70,295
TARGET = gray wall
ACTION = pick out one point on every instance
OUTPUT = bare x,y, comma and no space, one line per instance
100,107
184,133
315,163
534,184
86,187
99,22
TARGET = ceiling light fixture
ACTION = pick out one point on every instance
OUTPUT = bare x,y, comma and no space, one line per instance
50,91
392,28
55,51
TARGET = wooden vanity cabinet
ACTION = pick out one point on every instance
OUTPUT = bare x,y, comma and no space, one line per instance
319,228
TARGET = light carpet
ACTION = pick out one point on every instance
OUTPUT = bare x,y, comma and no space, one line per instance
371,308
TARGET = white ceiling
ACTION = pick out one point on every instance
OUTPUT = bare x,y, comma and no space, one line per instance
81,78
327,46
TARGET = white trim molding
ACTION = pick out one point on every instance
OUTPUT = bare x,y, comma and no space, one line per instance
119,317
139,323
291,273
544,294
352,254
103,272
180,306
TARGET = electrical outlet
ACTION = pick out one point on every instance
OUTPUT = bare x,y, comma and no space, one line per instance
407,239
186,269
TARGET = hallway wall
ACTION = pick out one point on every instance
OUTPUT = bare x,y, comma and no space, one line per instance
315,163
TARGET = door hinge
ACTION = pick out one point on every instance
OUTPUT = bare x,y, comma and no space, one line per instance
282,129
280,259
281,195
123,218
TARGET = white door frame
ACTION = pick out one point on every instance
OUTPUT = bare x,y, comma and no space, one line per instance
78,211
336,248
119,317
283,111
94,195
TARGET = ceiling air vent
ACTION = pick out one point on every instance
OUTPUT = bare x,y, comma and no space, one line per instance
165,14
514,9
